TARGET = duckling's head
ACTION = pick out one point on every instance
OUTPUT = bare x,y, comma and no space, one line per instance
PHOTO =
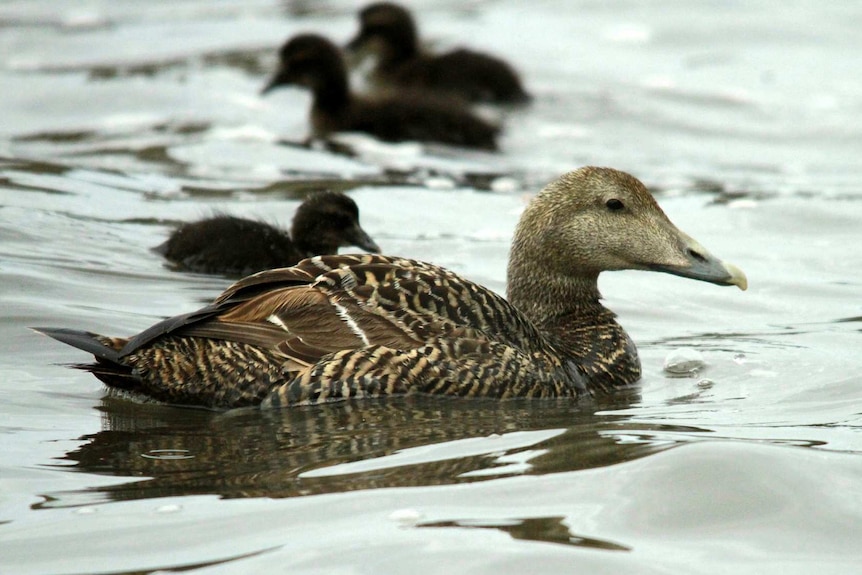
310,61
386,29
327,221
599,219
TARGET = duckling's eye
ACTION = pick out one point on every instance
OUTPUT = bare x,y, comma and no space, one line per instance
614,205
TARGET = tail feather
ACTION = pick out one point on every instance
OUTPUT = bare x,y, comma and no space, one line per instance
109,366
83,340
113,375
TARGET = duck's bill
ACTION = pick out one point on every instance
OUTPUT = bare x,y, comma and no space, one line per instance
273,83
356,44
709,269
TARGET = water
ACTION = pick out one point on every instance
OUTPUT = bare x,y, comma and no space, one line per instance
121,119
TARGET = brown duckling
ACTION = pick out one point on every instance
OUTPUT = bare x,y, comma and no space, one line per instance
354,326
315,63
389,31
234,246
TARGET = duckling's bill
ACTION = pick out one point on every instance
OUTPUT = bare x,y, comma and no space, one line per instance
271,85
358,237
277,80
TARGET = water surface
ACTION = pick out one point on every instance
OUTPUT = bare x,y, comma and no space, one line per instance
122,119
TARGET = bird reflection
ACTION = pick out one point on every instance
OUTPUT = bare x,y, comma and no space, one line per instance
166,451
546,529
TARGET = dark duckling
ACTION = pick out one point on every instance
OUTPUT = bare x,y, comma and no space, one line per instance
388,30
234,246
315,63
354,326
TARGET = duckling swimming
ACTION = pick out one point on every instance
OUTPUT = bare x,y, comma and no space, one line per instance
354,326
388,30
315,63
235,246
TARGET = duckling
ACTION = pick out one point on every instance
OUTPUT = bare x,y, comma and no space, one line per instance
388,30
354,326
315,63
234,246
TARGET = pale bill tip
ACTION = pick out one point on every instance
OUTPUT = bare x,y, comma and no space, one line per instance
737,276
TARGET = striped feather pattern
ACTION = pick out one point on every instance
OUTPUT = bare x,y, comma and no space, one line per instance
338,327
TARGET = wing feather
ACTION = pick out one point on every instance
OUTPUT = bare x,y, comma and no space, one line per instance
327,304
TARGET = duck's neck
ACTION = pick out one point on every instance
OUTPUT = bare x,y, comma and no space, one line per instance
568,311
400,49
542,295
310,248
332,92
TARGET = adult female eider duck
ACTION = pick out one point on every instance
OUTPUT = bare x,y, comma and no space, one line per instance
315,63
389,31
355,326
234,246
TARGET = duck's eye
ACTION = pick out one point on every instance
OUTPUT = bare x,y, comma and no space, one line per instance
614,205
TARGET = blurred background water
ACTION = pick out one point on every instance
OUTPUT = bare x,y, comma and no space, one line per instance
122,118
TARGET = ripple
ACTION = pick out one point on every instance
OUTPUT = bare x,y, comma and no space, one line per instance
168,454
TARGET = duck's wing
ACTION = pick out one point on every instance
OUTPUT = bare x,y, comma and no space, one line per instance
328,304
204,322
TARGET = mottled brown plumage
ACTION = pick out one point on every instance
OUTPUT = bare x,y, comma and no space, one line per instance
315,63
389,31
337,327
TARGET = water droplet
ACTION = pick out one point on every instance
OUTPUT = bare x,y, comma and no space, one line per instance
684,361
744,204
439,183
170,508
739,358
86,511
168,454
406,517
505,184
705,383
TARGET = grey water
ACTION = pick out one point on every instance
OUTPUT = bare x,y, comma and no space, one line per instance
121,119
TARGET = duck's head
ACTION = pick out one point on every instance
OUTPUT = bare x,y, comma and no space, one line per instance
387,30
310,61
599,219
327,221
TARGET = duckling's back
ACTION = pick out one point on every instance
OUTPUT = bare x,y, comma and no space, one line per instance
230,246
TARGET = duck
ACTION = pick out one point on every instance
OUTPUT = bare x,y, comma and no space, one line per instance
389,31
233,246
313,62
339,327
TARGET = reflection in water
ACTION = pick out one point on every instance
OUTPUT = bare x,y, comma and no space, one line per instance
249,453
546,529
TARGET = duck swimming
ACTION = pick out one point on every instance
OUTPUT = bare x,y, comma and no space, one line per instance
315,63
354,326
388,30
235,246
